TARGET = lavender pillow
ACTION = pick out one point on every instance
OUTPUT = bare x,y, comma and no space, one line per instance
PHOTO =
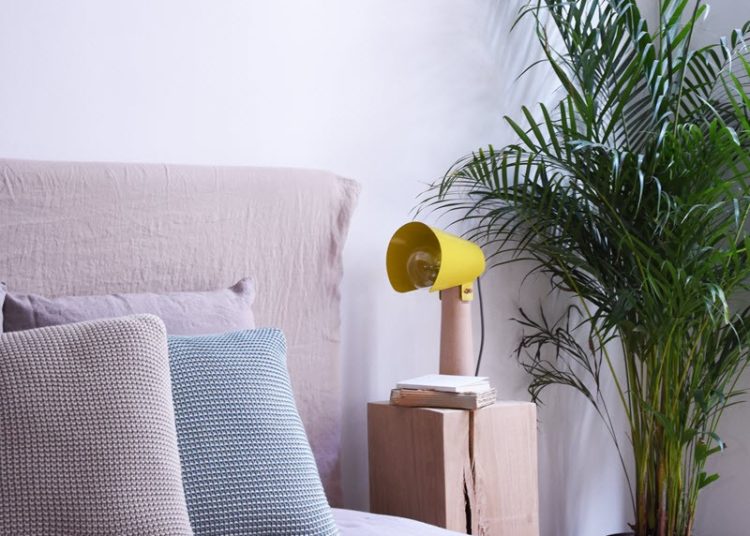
183,313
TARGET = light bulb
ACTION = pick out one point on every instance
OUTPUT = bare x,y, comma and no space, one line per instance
423,266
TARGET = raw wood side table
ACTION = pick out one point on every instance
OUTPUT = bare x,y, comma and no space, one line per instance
469,471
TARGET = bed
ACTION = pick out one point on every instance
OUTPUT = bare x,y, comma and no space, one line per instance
92,228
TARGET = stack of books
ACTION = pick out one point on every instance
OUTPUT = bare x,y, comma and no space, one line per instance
444,391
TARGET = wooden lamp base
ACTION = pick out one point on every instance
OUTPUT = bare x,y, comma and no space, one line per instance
456,339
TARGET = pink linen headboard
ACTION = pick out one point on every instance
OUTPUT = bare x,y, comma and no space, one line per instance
90,228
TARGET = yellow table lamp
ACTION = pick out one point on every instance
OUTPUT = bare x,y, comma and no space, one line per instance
420,256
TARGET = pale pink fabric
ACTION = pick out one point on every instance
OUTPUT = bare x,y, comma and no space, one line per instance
2,300
92,228
183,313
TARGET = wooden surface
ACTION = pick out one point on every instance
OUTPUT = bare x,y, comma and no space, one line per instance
418,457
429,464
505,493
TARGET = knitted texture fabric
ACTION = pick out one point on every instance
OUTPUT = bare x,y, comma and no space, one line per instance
87,434
247,465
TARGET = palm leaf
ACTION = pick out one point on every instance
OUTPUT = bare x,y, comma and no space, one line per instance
632,195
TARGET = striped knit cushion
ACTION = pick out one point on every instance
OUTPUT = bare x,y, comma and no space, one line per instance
247,466
87,432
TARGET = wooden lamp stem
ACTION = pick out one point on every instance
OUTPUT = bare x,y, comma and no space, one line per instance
456,339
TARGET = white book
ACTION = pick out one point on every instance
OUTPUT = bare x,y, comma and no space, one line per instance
448,383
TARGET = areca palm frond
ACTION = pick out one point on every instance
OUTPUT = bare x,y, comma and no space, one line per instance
633,195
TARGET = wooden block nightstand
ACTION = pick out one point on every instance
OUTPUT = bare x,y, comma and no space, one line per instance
468,471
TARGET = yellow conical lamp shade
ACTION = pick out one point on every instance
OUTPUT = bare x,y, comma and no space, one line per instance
419,256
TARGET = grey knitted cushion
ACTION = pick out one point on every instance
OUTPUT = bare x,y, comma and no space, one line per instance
247,466
87,434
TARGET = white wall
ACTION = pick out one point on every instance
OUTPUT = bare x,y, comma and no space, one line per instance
387,92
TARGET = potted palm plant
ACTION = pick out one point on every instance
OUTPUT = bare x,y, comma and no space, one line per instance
633,195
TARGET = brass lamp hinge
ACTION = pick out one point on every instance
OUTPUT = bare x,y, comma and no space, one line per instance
467,292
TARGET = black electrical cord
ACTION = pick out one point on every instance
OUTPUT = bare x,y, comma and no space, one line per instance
481,326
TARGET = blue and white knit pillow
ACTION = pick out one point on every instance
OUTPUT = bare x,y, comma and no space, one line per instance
246,463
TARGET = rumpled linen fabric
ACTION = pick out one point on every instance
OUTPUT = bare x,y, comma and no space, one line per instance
355,523
99,228
2,300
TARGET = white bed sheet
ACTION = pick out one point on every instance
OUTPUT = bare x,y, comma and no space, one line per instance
354,523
